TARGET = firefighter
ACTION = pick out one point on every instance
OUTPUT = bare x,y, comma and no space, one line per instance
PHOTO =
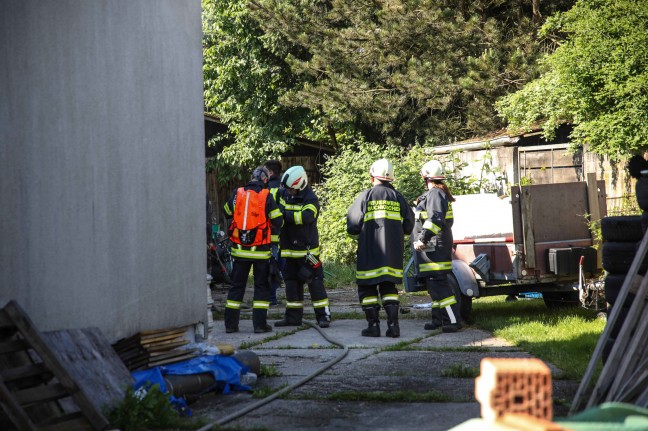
432,242
300,247
256,217
379,218
274,183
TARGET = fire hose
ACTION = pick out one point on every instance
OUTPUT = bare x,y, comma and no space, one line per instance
288,388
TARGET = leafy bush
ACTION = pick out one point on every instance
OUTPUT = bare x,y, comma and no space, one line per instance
144,410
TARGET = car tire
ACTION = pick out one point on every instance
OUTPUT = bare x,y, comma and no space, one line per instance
621,228
618,257
613,284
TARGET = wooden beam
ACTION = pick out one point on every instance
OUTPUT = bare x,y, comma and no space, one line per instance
594,212
527,227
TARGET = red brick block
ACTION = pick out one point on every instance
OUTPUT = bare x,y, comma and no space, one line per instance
514,385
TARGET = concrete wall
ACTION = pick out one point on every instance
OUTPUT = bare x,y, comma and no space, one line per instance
102,163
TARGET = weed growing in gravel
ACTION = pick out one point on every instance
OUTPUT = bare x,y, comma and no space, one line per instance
401,345
460,371
277,336
391,397
266,391
269,371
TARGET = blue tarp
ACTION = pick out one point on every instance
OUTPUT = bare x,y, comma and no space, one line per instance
225,369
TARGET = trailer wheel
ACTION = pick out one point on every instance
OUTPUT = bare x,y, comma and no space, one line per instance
621,228
465,302
554,300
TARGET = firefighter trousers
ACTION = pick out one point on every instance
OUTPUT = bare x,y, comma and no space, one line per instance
261,300
368,293
295,292
445,310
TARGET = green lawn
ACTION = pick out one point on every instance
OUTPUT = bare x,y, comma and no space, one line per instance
565,337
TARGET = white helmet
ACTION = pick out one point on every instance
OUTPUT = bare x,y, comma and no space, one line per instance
295,178
432,170
382,169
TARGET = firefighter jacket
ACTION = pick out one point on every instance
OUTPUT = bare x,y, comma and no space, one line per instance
433,227
379,218
274,184
299,233
272,213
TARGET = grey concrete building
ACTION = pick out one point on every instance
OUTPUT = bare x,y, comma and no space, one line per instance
102,183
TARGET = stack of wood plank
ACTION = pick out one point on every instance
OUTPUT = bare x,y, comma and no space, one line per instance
148,349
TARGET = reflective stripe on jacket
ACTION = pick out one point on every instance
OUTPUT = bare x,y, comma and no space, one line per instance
299,233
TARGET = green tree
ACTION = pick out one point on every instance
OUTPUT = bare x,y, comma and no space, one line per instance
244,76
597,78
406,71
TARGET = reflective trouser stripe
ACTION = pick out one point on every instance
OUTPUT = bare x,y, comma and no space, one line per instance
294,304
370,300
450,300
321,303
235,305
261,304
390,297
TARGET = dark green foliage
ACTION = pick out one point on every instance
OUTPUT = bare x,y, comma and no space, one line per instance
404,72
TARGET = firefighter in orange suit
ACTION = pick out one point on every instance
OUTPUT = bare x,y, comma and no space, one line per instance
255,219
379,219
432,242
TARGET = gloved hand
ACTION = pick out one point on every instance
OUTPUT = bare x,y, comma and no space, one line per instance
274,249
418,245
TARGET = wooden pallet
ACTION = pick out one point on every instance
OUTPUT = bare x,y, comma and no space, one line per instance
34,383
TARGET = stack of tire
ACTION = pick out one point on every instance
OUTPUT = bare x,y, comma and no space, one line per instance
621,238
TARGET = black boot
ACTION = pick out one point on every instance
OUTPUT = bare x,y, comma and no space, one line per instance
451,319
292,317
323,317
436,321
393,330
371,312
232,320
260,320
